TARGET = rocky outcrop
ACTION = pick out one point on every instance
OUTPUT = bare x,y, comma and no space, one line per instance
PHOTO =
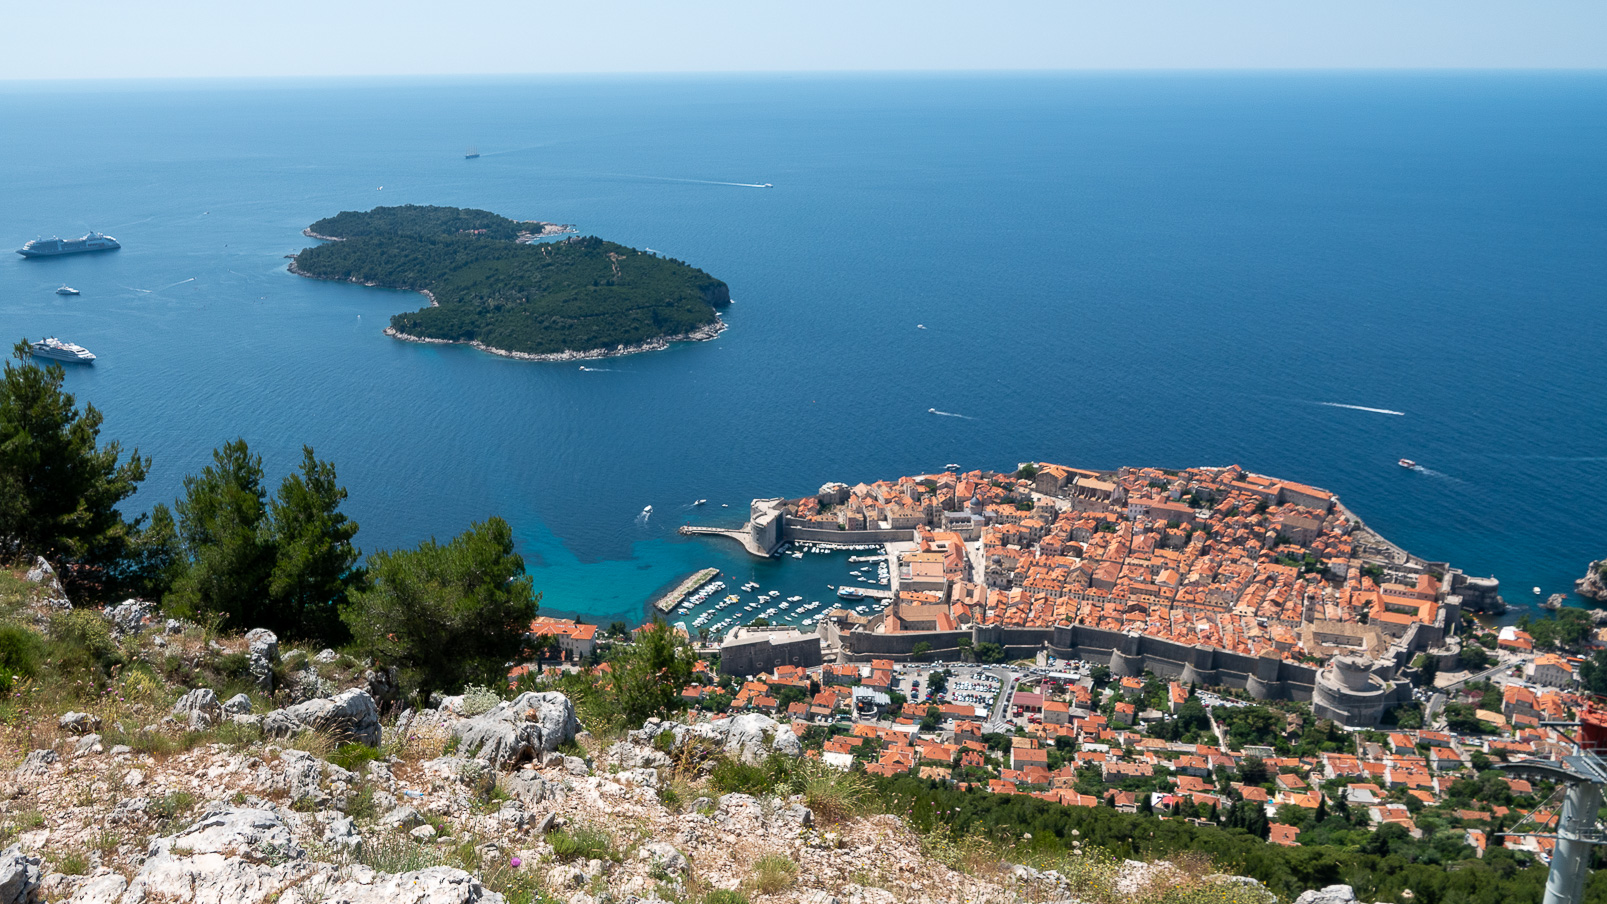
1594,584
243,854
750,737
517,731
263,648
53,598
128,617
199,709
236,854
1333,894
20,877
349,716
78,723
436,885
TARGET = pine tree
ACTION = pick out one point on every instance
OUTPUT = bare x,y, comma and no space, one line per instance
446,614
230,556
59,487
314,559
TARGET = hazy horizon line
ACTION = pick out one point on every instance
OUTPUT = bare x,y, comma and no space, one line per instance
830,73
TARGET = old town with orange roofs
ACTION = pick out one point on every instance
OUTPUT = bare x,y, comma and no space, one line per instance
1205,644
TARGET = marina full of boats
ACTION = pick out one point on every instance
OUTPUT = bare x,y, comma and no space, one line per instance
715,608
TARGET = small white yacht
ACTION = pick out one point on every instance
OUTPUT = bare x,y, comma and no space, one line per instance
67,290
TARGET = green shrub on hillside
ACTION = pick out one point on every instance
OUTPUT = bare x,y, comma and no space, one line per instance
647,677
447,613
82,638
20,650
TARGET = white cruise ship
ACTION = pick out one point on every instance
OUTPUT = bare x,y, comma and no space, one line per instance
57,350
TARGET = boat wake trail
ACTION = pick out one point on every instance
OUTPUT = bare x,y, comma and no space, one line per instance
950,414
158,289
1363,408
598,370
689,181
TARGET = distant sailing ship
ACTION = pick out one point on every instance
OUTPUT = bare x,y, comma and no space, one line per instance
471,153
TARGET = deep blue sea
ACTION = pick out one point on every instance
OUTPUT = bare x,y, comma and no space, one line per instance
1110,269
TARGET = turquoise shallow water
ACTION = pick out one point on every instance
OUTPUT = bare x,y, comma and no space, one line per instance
1111,270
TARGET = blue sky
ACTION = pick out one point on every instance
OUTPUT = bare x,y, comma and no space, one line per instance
220,38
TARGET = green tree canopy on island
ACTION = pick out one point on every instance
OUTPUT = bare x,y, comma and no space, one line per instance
447,614
571,295
59,486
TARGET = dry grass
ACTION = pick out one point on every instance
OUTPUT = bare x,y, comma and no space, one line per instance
972,854
423,742
773,873
834,795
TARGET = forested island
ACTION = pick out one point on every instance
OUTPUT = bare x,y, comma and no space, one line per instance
493,286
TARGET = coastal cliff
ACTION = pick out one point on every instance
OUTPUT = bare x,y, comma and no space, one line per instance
1594,584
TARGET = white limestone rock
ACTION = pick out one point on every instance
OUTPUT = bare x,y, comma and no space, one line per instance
234,854
1333,894
20,876
403,817
199,708
106,888
517,730
662,856
128,617
436,885
750,737
636,756
263,646
37,762
42,574
78,723
350,715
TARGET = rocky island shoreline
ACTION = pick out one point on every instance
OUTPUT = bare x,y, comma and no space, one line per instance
702,334
1594,584
544,230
